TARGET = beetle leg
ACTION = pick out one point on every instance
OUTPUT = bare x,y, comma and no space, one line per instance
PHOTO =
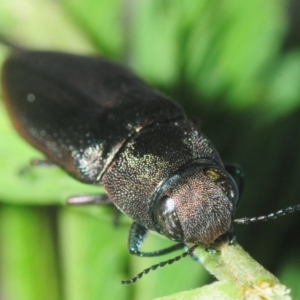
237,173
192,255
117,215
137,235
95,199
42,162
89,199
36,162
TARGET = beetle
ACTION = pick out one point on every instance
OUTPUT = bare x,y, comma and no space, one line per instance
104,125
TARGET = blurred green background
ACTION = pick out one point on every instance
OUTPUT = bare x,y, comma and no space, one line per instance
234,65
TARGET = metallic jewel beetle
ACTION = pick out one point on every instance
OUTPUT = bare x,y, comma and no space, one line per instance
103,125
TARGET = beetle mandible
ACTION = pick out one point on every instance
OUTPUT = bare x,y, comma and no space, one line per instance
104,125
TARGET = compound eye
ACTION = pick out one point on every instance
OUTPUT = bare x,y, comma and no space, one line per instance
167,219
225,181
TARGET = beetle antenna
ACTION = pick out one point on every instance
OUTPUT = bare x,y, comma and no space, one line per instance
160,265
271,216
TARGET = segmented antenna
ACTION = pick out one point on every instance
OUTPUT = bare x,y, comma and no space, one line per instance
160,265
271,216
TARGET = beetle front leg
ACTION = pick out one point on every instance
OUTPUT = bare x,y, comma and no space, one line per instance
137,235
95,200
89,199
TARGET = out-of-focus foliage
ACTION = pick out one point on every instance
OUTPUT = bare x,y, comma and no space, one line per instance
231,64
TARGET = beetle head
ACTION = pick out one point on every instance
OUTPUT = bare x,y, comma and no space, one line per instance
196,205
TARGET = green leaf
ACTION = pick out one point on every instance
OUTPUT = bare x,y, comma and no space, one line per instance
100,21
29,267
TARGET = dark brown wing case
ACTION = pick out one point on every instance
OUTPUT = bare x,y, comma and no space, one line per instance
79,111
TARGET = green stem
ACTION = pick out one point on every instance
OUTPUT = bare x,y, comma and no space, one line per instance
239,275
